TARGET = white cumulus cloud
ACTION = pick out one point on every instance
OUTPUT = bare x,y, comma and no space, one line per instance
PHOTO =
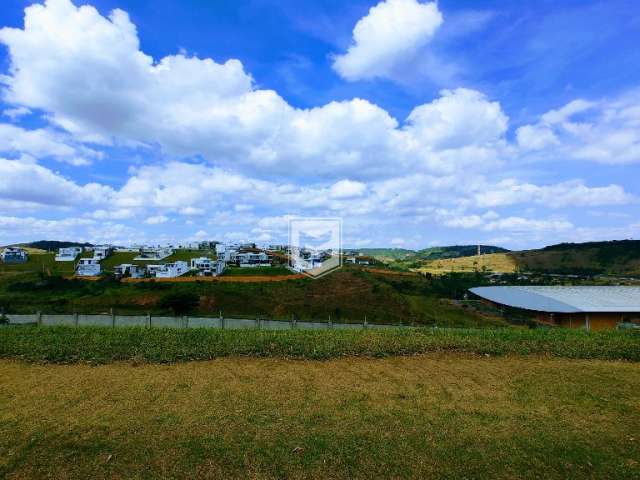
392,32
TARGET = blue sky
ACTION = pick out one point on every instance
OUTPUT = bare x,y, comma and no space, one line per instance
513,123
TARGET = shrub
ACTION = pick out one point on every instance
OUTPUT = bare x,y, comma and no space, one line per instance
179,303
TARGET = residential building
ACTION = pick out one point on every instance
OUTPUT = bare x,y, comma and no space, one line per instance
14,255
207,267
208,245
169,270
189,246
129,270
358,260
587,307
154,253
100,252
252,259
68,254
88,267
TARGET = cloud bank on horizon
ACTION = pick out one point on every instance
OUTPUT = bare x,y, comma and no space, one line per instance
101,141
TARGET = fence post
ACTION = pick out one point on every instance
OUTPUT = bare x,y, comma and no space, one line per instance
330,322
149,320
39,318
186,321
75,319
364,325
221,321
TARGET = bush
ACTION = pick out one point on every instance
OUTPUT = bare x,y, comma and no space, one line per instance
179,303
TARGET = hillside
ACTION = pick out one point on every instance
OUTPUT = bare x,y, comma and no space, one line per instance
53,245
384,254
455,251
619,257
613,257
347,295
405,257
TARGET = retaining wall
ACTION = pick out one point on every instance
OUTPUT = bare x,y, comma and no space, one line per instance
106,320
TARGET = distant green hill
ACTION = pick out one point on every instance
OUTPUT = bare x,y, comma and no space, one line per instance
51,245
611,257
618,257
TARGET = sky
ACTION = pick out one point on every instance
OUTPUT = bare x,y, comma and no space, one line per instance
417,123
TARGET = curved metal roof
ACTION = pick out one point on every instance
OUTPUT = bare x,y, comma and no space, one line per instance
564,299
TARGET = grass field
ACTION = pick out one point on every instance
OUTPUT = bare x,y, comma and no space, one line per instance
442,415
494,262
42,262
104,344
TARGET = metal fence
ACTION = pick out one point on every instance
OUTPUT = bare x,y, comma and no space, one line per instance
108,320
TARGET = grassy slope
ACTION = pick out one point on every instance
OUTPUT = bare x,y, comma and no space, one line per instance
495,262
622,257
404,256
119,258
43,262
439,416
349,294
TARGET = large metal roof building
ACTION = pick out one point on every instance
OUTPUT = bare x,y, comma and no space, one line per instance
585,306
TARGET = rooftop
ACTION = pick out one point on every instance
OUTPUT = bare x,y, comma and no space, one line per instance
571,299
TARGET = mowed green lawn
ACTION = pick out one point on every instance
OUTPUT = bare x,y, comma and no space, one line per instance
441,415
42,263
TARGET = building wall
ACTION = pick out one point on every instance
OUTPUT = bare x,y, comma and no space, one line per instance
597,321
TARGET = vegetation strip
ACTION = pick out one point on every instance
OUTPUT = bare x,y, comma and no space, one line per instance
103,345
235,279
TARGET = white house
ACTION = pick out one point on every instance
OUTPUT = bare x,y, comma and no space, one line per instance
207,267
201,263
14,255
308,260
68,254
229,254
150,253
88,267
169,270
358,261
252,259
101,252
134,271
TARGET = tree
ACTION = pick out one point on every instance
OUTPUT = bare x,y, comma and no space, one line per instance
179,303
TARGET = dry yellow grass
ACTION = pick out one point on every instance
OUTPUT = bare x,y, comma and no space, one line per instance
495,262
407,417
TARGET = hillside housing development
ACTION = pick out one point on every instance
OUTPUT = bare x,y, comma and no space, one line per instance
68,254
209,259
14,255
